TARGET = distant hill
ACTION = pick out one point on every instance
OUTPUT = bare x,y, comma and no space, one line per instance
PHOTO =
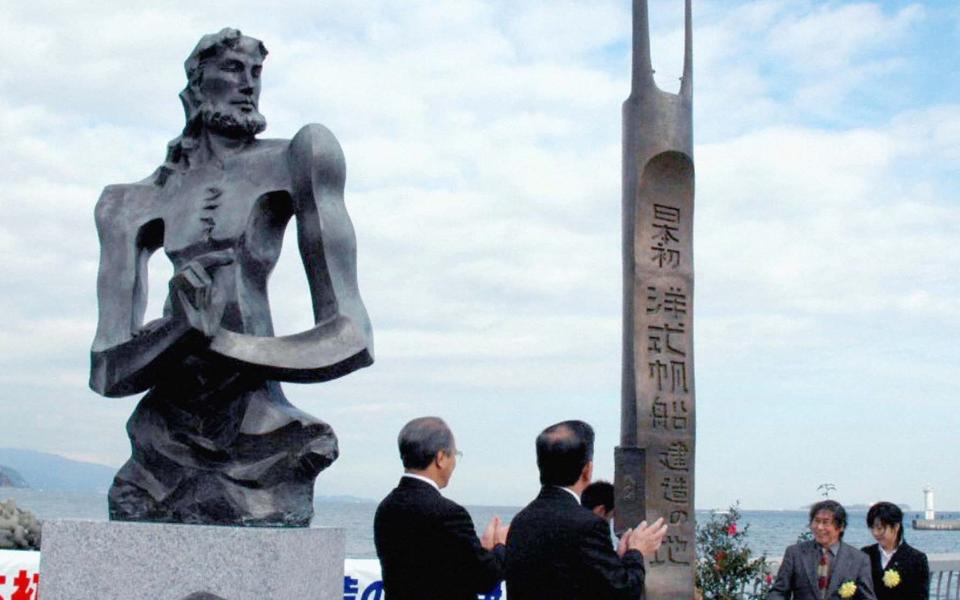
344,499
10,478
863,507
44,471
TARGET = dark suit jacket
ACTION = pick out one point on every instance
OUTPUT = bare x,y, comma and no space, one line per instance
428,548
559,550
797,577
914,572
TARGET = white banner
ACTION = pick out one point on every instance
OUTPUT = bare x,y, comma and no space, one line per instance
20,575
361,579
362,582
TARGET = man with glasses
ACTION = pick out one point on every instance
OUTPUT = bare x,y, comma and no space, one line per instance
427,545
824,568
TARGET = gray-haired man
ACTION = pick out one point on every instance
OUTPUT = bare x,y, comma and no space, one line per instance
824,568
427,545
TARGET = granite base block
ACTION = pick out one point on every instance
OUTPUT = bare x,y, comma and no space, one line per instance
109,560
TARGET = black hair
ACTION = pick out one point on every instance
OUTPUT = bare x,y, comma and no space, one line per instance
836,509
421,439
563,450
887,513
598,493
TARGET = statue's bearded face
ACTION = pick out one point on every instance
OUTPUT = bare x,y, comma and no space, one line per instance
230,91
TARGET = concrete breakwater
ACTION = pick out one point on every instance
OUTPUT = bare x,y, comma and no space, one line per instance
937,524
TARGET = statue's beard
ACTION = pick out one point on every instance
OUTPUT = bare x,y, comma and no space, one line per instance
231,121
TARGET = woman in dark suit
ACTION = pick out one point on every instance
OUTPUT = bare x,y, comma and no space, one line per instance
900,572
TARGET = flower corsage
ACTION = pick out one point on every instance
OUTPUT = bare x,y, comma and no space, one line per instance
891,578
847,589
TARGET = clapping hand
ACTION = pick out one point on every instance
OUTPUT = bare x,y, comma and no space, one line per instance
495,533
644,538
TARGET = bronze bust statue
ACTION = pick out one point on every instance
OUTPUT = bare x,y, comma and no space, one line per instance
214,440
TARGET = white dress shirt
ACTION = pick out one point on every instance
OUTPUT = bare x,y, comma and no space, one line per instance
571,492
886,556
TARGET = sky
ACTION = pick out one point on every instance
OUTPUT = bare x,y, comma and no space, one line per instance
482,140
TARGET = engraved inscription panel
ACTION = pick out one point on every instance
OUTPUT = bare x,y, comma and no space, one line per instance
663,350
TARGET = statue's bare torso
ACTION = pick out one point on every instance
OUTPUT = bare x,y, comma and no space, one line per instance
209,209
211,363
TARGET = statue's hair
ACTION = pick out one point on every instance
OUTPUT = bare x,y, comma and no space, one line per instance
209,47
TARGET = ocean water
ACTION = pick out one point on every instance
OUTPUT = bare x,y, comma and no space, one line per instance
769,531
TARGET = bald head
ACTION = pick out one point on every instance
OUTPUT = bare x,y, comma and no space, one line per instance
421,439
563,450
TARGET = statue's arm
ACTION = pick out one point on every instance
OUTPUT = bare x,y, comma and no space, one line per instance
341,340
325,235
126,357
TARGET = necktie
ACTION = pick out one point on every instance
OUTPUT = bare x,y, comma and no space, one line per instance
823,572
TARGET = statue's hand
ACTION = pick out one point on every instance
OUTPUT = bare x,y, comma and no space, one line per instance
193,294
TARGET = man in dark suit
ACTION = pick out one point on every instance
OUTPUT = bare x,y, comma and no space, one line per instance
824,568
560,550
427,546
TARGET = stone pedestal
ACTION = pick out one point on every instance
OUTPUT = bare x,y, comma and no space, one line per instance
108,560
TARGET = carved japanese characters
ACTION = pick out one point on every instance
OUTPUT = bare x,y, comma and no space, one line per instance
654,463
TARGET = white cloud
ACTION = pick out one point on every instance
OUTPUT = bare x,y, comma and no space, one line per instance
482,141
830,37
765,63
821,222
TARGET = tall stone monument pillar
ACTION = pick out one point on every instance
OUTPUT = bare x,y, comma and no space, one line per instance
655,460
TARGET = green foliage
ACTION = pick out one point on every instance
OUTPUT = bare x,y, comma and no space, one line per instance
19,529
726,569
